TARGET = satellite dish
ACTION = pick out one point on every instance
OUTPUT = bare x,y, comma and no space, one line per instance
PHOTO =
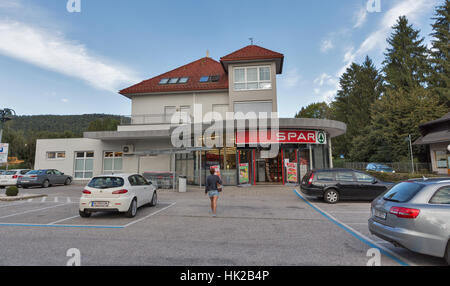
448,147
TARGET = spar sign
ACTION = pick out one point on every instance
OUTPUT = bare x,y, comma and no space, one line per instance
3,153
281,136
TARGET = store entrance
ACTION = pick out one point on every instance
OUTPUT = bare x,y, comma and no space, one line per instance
269,170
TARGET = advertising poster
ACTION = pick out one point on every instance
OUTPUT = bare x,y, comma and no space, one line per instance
292,173
243,173
4,153
217,170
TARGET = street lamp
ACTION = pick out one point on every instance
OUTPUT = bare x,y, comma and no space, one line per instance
5,116
411,151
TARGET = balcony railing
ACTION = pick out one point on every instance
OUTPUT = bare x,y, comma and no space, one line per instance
156,119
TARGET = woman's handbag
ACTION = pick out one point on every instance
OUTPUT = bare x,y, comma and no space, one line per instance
219,187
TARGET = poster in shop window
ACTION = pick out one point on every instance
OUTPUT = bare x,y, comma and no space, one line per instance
216,170
292,172
243,173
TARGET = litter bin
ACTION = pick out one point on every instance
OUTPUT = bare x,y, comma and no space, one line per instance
182,182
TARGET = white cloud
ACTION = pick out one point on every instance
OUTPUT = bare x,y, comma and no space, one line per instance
50,50
325,79
64,100
360,17
291,79
326,45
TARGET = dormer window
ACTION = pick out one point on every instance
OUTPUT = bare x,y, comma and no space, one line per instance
252,78
183,80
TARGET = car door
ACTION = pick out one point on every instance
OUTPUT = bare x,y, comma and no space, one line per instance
138,189
347,184
369,187
147,190
50,176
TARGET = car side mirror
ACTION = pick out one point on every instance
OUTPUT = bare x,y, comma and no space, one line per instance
374,181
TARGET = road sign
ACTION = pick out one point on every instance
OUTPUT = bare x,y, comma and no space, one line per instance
4,153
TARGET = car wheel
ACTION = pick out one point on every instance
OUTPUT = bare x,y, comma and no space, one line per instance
331,196
25,187
154,199
132,210
85,214
2,187
447,254
46,184
67,182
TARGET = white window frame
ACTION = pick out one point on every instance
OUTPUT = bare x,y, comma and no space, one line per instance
84,171
114,170
56,155
258,82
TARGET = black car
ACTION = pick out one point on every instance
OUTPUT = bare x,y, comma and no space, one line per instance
339,184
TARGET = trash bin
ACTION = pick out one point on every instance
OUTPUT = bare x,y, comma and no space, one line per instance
182,182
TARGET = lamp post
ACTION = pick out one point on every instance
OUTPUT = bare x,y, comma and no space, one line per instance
411,152
5,115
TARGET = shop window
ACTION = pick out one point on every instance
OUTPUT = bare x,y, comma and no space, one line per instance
112,162
84,165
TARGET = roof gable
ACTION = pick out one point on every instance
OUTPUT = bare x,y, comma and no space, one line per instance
253,53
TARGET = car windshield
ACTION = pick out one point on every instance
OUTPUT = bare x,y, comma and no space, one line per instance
106,182
386,168
10,173
403,192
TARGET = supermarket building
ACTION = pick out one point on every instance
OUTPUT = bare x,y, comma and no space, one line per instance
243,82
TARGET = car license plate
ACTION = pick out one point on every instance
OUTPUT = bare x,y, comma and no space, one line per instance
25,181
3,181
379,214
100,204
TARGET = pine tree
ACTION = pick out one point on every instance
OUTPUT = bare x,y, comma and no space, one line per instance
406,65
360,87
319,110
440,75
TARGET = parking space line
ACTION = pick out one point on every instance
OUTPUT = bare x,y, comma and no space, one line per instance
62,225
64,219
394,256
152,214
30,211
11,205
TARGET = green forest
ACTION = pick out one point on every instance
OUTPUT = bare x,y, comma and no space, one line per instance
22,132
382,106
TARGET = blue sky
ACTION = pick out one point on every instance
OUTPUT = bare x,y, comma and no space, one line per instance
56,62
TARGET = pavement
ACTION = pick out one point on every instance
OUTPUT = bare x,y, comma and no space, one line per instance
262,225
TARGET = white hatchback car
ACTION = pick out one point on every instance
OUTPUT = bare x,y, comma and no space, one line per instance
9,177
118,193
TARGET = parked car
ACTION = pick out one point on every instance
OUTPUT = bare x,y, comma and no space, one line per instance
44,178
117,193
379,168
10,177
415,215
338,184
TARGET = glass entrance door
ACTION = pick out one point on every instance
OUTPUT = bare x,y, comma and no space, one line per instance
268,170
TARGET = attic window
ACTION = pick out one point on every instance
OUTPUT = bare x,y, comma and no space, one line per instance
204,79
183,80
215,78
173,80
164,81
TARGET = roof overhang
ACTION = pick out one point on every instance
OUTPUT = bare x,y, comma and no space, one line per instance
442,136
278,62
333,128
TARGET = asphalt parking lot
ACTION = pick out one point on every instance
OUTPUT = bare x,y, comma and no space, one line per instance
262,225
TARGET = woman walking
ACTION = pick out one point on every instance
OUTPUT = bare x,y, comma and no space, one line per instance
212,190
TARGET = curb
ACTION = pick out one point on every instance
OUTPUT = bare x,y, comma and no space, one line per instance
20,198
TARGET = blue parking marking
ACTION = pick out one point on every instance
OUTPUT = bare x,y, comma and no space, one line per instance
362,239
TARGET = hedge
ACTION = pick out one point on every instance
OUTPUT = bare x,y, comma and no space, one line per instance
398,177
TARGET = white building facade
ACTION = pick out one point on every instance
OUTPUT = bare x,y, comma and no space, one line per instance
244,82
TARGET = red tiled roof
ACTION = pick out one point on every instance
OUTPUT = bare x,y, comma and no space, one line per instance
252,52
195,70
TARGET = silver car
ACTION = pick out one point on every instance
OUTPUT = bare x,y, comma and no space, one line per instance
415,215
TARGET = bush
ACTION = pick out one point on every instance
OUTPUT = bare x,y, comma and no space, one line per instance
12,191
398,177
